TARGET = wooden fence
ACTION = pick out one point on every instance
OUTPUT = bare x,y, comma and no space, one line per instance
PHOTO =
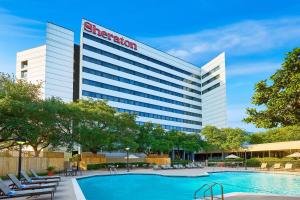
158,160
40,164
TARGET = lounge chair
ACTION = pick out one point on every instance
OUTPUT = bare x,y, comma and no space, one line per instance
276,166
7,193
166,167
37,177
30,181
156,167
288,166
18,185
263,166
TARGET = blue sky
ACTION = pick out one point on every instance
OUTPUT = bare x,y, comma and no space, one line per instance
255,34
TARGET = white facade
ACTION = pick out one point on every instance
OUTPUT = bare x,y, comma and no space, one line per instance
132,76
51,64
214,106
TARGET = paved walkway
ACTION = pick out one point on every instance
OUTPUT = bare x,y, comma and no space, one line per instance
65,190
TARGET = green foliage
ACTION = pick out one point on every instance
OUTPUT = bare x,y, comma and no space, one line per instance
23,114
177,162
256,162
154,139
279,95
289,133
225,139
99,126
119,164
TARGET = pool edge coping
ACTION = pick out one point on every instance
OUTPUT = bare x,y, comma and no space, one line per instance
80,196
77,190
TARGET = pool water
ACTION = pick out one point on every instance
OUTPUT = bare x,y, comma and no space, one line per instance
150,187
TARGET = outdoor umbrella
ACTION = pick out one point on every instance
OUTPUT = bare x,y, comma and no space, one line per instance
131,156
231,156
294,155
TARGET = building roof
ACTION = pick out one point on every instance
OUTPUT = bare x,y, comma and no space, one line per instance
276,146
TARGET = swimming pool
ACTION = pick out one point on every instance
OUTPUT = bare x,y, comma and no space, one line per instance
149,187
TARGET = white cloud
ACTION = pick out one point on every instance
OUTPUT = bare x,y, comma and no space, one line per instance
252,68
15,26
235,115
252,36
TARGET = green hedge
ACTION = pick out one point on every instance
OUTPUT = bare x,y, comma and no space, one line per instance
256,162
226,160
119,165
182,162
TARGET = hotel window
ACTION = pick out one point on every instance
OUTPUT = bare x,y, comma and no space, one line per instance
24,74
24,64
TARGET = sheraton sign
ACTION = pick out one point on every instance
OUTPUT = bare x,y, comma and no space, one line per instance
89,27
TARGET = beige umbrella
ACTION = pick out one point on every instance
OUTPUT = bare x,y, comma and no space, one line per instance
294,155
232,156
131,156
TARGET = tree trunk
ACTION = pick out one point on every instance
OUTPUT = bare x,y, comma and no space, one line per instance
36,151
183,155
222,155
173,154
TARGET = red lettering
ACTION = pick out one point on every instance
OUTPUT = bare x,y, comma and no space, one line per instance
104,34
126,43
89,27
117,39
95,29
133,46
109,35
121,41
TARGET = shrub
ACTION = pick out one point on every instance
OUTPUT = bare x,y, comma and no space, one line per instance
253,162
118,165
182,162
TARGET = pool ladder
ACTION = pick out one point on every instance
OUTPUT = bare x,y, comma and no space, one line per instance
209,188
113,170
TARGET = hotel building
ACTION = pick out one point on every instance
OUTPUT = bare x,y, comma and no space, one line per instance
131,76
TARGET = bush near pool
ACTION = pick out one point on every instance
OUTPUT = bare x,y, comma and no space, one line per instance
118,165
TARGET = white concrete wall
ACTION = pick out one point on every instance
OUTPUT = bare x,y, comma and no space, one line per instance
214,106
59,62
36,58
153,53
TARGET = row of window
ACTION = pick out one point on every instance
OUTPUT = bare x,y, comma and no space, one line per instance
115,46
211,88
155,116
210,80
137,103
119,89
138,64
178,128
100,62
210,72
136,93
141,94
125,80
111,55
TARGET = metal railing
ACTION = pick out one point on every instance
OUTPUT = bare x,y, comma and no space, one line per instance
206,187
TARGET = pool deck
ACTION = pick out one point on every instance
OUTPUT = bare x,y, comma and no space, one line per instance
65,191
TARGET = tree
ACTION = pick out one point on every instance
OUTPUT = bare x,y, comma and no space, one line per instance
145,137
278,97
23,114
225,139
160,142
97,126
92,124
289,133
192,143
177,139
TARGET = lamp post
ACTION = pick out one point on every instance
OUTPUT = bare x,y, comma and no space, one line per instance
245,159
127,151
20,142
